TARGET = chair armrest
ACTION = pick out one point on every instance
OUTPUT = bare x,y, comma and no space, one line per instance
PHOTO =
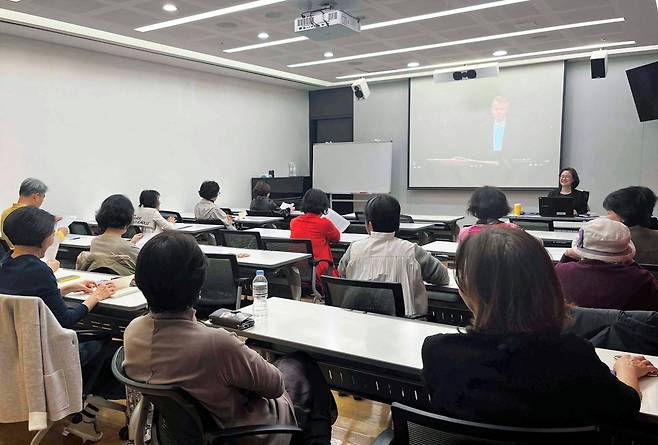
220,436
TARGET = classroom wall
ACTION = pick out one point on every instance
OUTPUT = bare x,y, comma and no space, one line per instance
602,138
92,124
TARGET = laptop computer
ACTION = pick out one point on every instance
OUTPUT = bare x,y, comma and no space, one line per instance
556,206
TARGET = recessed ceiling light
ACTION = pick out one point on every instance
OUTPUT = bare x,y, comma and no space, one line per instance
387,23
170,7
499,53
413,64
328,54
16,1
208,15
459,42
263,36
487,60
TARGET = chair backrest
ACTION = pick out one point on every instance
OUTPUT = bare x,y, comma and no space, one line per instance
369,296
416,427
295,246
167,213
240,239
222,286
406,219
543,225
80,228
212,222
131,231
105,270
360,215
176,415
227,210
4,247
263,213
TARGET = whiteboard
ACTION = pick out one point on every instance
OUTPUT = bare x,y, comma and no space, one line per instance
353,167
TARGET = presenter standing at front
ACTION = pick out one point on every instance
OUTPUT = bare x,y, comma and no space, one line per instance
569,181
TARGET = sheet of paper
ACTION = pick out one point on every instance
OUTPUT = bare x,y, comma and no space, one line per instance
341,223
51,252
65,221
285,205
145,239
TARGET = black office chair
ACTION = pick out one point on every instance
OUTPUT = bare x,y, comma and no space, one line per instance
223,286
210,238
227,210
80,228
167,213
406,219
131,231
631,331
527,224
4,247
367,296
178,418
357,227
360,216
269,213
412,426
105,270
240,238
307,268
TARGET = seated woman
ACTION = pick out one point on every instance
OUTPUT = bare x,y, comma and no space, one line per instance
109,249
599,272
262,201
567,188
383,257
488,205
634,206
207,209
148,216
320,231
31,230
514,366
237,386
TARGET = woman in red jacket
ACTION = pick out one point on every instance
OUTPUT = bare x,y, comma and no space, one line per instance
320,231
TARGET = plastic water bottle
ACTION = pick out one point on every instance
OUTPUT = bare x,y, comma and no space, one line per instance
259,287
292,169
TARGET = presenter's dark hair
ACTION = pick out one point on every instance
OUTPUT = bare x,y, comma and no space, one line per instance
633,204
149,198
574,175
488,203
262,188
170,271
315,201
497,271
209,190
383,212
116,212
28,226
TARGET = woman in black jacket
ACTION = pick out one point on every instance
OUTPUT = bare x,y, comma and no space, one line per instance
568,188
514,365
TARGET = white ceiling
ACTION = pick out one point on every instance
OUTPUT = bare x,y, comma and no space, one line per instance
211,36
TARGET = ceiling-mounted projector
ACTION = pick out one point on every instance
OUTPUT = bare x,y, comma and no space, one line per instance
326,23
465,73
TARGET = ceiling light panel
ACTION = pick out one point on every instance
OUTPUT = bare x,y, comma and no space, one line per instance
387,23
491,59
460,42
207,15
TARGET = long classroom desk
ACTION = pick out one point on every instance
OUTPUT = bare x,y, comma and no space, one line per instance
449,249
345,238
267,260
379,357
112,314
247,221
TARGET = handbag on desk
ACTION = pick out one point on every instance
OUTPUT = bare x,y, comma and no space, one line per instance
227,318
